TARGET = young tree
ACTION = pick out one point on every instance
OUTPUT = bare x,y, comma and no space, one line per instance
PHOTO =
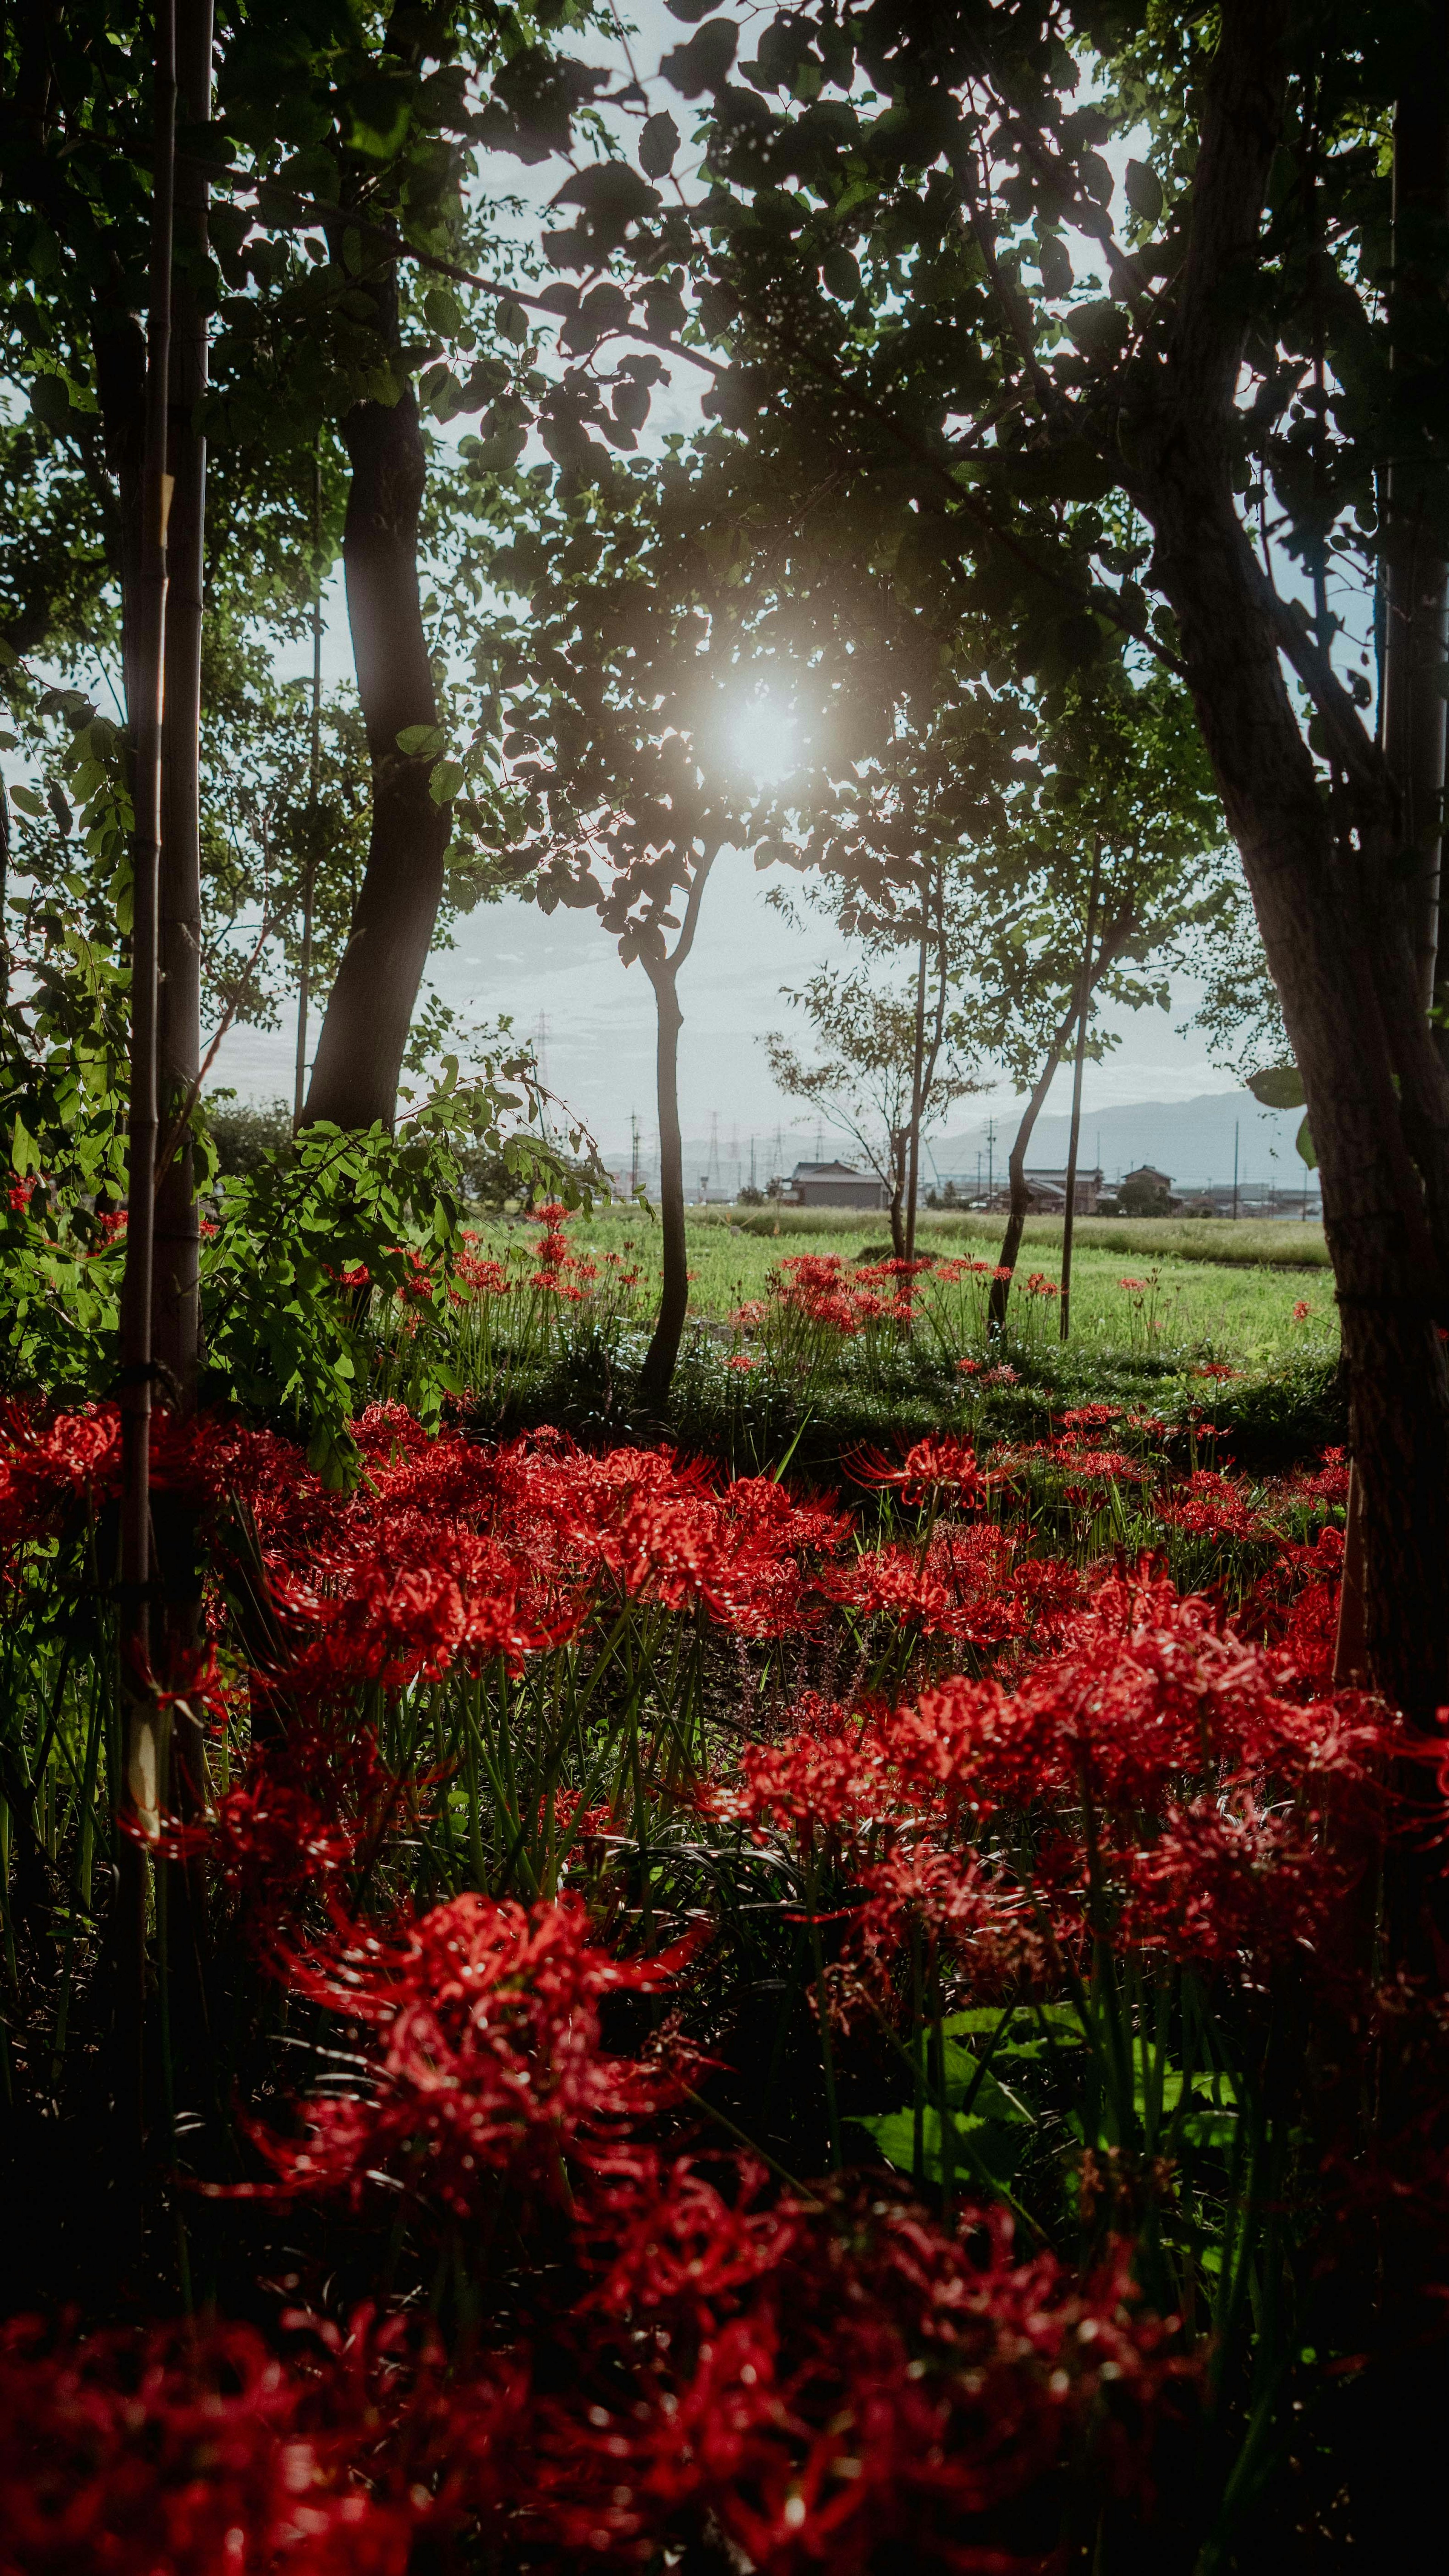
875,1080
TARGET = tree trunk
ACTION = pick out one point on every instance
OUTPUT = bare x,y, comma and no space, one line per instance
898,1151
175,1279
1016,1168
663,973
918,1062
1336,918
140,1788
1412,710
178,1028
365,1026
1114,941
1413,715
663,1351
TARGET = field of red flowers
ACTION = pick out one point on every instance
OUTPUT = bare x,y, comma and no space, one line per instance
704,2024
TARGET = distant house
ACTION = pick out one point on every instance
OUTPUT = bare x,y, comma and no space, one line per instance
1049,1192
1146,1192
836,1185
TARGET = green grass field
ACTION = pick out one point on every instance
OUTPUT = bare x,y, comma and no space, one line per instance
1238,1310
1252,1243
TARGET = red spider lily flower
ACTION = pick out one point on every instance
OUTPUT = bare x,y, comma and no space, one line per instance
991,1929
752,1312
1134,1287
1327,1483
1220,1369
487,2060
481,1278
1301,1311
1038,1285
828,1777
1002,1375
1238,1884
1091,1417
958,1589
1098,1466
671,2237
740,1360
930,1467
1212,1505
968,1368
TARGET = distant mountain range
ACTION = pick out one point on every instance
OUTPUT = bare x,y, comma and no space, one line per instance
1190,1140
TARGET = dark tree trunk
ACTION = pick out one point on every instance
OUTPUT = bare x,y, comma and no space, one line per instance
178,1040
141,1788
663,973
175,1282
369,1012
1337,919
1414,570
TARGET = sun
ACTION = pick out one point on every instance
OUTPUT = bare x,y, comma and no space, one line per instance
763,739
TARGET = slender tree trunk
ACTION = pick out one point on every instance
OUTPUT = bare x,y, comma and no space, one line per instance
1337,919
1084,1008
175,1284
663,1351
314,780
1020,1206
663,973
1115,940
365,1026
141,1785
918,1063
898,1152
178,1039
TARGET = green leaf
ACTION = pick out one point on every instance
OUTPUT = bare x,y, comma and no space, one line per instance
28,802
1304,1142
658,144
1143,190
1278,1086
446,781
422,741
987,2146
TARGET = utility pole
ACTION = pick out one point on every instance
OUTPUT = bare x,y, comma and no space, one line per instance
633,1152
990,1160
1235,1171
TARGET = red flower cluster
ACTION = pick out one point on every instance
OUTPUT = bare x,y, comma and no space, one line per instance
812,2380
192,2450
487,2062
1179,1798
